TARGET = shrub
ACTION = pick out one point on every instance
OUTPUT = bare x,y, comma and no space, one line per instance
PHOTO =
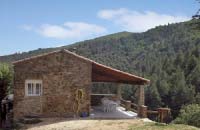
190,115
195,120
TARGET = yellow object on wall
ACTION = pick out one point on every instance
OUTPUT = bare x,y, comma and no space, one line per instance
79,95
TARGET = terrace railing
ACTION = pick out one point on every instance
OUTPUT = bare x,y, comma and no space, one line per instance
161,114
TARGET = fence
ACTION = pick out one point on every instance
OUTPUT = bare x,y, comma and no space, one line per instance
161,114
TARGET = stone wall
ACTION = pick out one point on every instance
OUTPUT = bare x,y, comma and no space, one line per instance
62,74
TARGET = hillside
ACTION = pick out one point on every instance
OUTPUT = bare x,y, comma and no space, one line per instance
168,55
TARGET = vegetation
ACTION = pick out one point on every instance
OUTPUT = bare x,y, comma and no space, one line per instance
159,126
189,115
167,55
5,80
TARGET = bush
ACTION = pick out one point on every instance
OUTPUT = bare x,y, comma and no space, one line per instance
189,115
195,120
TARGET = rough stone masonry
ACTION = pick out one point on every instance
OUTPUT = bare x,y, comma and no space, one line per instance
61,74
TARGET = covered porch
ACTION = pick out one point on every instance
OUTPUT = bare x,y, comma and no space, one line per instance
125,109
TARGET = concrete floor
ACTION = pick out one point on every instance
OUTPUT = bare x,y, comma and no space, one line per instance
120,113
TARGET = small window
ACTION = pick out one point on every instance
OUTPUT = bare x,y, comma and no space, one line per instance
33,87
30,89
38,88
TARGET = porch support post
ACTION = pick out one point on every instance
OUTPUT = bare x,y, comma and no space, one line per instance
141,95
119,91
142,110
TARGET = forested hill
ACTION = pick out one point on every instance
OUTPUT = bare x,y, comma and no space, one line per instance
168,55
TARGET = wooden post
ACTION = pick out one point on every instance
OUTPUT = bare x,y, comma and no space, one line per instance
163,115
119,93
142,111
128,105
141,107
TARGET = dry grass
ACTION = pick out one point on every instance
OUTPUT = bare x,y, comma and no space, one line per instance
129,124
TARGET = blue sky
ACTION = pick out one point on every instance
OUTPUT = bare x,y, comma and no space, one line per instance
31,24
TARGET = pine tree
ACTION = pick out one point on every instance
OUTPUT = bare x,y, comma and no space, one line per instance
152,97
180,93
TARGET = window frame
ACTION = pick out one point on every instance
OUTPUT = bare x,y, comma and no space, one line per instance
30,87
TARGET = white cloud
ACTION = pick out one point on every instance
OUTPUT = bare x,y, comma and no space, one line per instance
135,21
69,30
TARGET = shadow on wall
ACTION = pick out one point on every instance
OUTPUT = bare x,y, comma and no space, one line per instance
6,112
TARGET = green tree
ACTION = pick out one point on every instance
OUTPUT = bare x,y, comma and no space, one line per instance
163,89
5,80
179,59
194,78
180,93
197,98
152,97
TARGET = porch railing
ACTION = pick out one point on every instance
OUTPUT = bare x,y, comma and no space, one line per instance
128,105
161,114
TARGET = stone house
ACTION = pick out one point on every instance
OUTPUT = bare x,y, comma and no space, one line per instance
46,85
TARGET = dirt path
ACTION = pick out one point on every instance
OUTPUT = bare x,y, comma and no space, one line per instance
63,124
